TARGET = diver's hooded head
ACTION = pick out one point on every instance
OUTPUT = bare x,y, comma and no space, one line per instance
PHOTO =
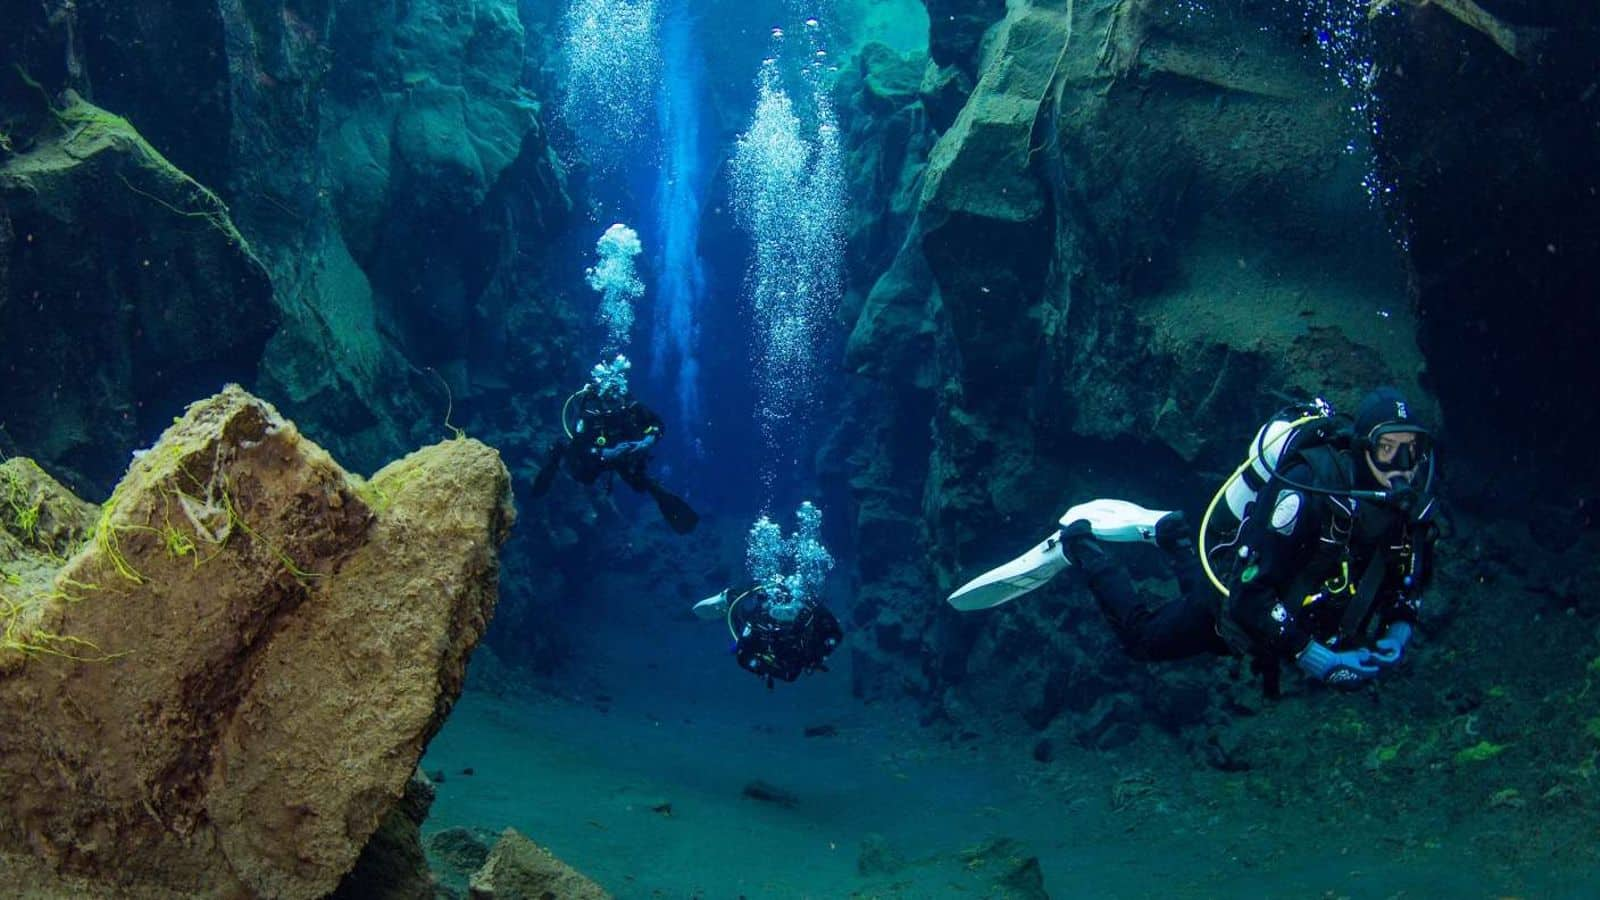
1396,449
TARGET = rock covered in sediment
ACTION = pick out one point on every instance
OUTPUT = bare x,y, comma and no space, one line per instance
519,869
458,852
247,661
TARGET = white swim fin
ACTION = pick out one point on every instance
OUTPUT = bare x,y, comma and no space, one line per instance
1013,579
1117,521
713,607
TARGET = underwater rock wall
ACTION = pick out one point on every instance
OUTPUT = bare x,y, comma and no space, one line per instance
220,682
92,216
351,207
1139,228
384,163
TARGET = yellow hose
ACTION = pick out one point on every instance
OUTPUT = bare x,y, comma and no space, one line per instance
568,405
734,603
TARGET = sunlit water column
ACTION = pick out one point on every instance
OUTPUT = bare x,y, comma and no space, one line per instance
680,273
610,66
788,191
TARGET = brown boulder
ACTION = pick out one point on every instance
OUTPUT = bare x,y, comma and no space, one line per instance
248,659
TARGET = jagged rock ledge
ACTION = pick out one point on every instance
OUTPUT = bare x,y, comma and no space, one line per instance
220,683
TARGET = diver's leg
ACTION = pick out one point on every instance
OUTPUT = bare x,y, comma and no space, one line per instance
548,469
1172,536
1108,581
1190,620
632,473
1179,629
583,467
677,512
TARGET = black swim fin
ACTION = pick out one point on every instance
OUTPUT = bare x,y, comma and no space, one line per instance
679,515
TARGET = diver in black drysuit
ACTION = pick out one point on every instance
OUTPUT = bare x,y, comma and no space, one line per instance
614,433
775,637
1306,592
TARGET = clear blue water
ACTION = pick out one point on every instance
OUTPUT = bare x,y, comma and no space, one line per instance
602,719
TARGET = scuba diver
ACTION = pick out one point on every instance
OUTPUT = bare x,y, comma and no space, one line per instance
612,433
776,634
1330,559
780,628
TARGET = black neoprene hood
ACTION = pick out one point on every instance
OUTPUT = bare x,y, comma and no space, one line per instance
1383,411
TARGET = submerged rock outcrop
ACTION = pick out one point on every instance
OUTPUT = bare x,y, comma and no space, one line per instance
354,208
1143,225
519,869
223,686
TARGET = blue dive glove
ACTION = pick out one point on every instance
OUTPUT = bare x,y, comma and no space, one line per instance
1387,650
1339,668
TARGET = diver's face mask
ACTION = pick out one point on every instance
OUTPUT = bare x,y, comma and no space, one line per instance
1398,451
1402,463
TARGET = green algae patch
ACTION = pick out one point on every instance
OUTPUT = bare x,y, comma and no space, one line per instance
1591,728
41,524
1482,751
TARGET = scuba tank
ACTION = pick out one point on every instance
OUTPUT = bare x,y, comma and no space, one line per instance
1289,432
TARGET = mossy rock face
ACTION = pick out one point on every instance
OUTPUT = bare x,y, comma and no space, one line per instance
38,515
125,283
41,524
248,658
1482,751
385,163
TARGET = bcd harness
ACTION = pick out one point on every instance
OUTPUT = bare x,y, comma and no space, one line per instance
605,421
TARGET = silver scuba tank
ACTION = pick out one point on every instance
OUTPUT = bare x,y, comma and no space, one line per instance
1272,441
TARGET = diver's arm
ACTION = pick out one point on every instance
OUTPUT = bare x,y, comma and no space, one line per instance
650,425
643,422
1407,586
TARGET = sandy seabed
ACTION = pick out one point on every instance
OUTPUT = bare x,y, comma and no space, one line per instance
637,777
